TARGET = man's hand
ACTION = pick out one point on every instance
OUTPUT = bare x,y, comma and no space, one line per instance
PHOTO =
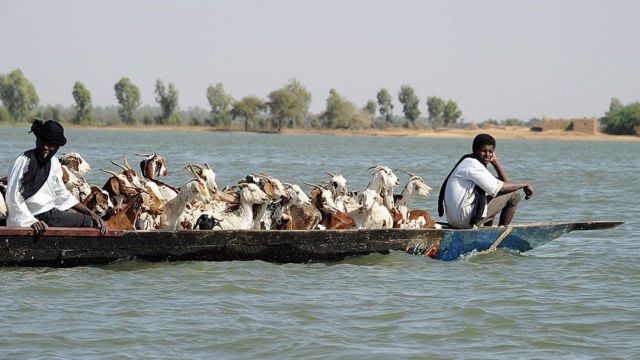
39,227
98,223
494,159
528,192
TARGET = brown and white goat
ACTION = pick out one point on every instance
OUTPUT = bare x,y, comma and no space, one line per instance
75,163
332,218
126,218
153,166
119,188
98,200
297,213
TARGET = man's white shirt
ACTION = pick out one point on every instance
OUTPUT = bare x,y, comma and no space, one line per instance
52,194
459,197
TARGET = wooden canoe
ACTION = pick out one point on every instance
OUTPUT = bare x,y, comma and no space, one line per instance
66,247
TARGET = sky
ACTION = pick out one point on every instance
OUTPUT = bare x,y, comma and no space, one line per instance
496,59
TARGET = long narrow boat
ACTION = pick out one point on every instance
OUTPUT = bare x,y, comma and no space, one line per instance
66,247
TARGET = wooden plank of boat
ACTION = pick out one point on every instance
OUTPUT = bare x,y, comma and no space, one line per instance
64,247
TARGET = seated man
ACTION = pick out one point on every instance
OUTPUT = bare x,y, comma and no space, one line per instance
36,196
464,192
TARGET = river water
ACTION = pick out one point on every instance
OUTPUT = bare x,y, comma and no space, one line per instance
576,297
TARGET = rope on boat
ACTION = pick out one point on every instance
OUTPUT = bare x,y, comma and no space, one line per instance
495,244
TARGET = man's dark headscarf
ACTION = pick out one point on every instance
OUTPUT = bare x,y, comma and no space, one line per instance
39,167
480,196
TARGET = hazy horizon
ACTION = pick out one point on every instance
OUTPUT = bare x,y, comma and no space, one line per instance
496,59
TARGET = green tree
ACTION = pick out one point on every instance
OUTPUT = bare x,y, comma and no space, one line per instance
18,95
221,105
83,107
624,121
128,96
289,105
410,103
248,108
513,122
56,113
339,112
451,113
385,107
167,98
4,114
615,105
371,108
435,107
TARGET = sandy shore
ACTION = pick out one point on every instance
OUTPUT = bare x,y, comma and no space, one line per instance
499,132
496,131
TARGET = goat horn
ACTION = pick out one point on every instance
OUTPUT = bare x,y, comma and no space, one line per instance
110,172
314,185
118,165
126,163
198,176
330,174
139,188
190,169
145,155
410,174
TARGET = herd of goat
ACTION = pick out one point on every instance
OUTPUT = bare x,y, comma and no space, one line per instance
129,201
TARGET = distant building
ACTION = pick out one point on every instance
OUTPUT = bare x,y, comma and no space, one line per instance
584,125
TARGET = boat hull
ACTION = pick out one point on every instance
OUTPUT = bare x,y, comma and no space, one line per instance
63,247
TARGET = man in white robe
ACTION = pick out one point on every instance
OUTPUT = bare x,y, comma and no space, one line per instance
473,196
36,196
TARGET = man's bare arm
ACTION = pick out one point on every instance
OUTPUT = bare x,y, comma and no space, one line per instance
502,175
509,187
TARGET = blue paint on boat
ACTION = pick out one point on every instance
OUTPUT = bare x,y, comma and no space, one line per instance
457,242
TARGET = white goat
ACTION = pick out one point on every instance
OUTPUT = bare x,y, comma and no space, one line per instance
196,208
194,190
415,187
242,217
205,172
341,197
383,182
371,214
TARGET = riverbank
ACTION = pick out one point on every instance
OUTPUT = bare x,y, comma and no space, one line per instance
499,132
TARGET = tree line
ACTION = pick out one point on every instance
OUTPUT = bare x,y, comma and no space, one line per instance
287,106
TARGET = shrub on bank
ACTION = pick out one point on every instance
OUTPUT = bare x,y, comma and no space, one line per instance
623,121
